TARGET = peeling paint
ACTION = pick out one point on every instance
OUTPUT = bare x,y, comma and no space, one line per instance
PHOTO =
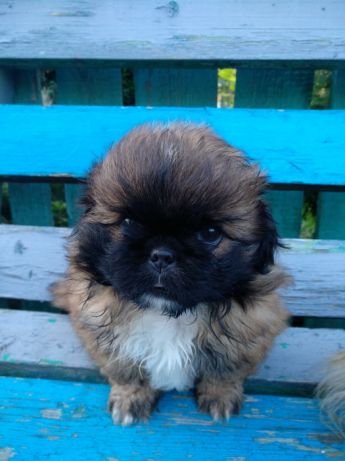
79,412
19,247
297,445
52,413
7,453
51,362
192,421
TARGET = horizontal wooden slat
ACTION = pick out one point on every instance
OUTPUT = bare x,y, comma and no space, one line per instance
47,343
184,30
59,420
32,258
62,142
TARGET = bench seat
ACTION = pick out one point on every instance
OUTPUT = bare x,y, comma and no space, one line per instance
58,412
58,420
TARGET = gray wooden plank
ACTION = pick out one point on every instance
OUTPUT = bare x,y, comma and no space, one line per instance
184,30
32,258
46,340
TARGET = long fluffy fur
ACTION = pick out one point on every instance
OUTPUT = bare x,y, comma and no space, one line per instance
331,392
159,186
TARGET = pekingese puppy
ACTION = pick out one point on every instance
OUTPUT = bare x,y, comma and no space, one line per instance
172,281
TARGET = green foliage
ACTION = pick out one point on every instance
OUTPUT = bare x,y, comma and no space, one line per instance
321,90
226,87
308,227
59,207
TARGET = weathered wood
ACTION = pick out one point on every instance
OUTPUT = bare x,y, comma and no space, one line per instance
92,86
47,341
331,206
184,30
6,86
61,420
63,141
278,89
32,258
175,87
30,204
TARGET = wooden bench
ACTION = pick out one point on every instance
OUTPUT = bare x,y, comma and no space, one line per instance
52,398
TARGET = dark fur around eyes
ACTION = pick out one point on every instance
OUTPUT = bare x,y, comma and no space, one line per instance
173,181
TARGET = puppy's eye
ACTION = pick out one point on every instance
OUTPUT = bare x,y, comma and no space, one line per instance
132,227
128,222
210,235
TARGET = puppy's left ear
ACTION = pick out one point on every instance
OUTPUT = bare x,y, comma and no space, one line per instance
269,241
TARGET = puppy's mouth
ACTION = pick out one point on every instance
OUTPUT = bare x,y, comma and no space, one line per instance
159,288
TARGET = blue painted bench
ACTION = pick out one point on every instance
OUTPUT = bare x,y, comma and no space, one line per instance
61,64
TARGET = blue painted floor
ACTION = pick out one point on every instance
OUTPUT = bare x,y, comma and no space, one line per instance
55,420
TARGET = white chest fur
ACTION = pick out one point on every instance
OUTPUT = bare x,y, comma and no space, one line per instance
164,347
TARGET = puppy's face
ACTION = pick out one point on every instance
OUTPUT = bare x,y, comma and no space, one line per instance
174,219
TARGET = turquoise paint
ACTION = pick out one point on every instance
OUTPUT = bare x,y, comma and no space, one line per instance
291,145
55,420
51,362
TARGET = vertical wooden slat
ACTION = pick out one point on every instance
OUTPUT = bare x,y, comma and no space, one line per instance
6,86
175,87
89,86
30,203
6,96
85,86
331,205
281,89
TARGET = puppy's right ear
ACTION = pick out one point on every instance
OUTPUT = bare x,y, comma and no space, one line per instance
269,241
87,201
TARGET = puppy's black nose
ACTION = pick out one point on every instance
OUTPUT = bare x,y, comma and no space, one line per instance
161,258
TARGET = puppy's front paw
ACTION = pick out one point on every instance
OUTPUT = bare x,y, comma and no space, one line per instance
131,403
219,401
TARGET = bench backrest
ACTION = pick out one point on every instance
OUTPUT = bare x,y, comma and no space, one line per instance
168,54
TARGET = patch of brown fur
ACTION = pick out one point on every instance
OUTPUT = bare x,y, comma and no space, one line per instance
230,175
129,403
237,342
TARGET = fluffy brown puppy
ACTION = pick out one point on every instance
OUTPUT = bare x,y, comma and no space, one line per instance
172,282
